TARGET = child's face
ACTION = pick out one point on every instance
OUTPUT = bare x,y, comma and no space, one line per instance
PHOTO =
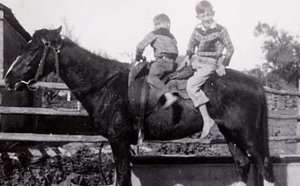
206,17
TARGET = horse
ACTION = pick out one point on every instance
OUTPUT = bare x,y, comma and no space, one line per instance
237,103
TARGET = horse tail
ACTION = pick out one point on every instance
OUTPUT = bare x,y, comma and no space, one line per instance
267,172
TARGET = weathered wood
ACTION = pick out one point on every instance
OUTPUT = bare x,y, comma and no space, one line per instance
298,121
281,92
1,51
275,116
98,138
222,141
1,43
42,111
43,85
50,138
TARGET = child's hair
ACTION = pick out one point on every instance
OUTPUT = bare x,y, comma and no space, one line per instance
161,20
203,6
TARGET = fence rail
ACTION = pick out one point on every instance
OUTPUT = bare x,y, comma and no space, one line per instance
50,137
44,85
281,92
82,112
43,111
98,138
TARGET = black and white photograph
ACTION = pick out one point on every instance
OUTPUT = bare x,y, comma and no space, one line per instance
149,93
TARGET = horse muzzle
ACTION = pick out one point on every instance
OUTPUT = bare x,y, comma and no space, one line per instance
30,84
18,86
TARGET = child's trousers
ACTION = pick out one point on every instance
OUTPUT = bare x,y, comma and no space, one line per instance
160,68
204,67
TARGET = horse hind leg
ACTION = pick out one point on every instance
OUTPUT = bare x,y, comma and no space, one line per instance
264,165
242,156
258,149
242,163
257,153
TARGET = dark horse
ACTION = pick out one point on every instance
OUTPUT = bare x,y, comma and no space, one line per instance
237,102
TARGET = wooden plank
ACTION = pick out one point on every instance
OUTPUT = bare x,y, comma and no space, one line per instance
49,85
49,138
1,43
274,116
98,138
42,111
222,141
1,51
44,85
191,171
281,92
298,121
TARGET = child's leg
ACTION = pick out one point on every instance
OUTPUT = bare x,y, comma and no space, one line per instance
208,122
198,96
194,84
154,78
157,69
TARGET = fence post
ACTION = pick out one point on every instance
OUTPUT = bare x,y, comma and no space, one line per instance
1,50
298,121
1,43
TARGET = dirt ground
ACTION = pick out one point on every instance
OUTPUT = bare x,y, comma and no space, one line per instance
78,163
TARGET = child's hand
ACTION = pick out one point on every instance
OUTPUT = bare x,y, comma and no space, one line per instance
184,63
139,60
221,70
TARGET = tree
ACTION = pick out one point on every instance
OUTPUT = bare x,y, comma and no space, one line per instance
282,53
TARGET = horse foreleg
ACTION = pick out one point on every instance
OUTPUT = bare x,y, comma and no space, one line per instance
121,153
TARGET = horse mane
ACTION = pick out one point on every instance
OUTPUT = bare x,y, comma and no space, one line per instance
112,63
102,70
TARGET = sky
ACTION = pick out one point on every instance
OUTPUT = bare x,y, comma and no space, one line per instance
114,27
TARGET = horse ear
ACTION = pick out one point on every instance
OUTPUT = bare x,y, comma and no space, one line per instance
58,30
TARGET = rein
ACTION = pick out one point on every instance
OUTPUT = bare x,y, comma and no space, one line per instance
39,72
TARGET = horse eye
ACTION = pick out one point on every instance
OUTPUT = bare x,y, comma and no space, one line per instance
47,44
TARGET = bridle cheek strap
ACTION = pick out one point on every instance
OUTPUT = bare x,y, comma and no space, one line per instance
40,69
56,52
42,61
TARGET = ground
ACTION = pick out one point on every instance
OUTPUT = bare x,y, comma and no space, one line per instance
77,163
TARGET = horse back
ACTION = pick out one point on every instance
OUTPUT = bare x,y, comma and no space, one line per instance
235,93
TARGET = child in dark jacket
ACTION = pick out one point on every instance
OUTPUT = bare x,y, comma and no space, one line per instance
165,50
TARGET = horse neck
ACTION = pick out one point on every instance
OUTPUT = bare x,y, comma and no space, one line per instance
84,71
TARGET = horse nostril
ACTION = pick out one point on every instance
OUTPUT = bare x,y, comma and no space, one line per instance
6,81
17,85
8,87
7,84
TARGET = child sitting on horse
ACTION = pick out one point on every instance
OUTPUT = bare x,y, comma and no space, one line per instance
165,50
210,39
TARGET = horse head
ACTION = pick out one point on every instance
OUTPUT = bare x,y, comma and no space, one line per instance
38,58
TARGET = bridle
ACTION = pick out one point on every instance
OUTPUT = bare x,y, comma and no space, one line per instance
39,72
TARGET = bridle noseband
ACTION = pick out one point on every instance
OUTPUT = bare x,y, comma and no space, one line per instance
39,72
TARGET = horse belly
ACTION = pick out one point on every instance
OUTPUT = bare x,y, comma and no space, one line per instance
173,123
